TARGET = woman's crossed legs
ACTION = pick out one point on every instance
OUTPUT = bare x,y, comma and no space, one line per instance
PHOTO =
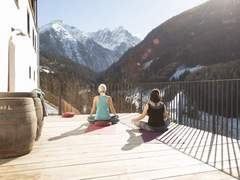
113,119
145,126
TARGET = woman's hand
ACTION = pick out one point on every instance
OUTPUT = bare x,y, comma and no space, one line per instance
167,115
134,121
141,116
111,106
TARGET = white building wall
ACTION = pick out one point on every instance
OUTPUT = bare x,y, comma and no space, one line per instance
25,54
5,32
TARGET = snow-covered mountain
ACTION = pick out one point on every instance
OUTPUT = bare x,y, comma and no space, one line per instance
96,50
116,39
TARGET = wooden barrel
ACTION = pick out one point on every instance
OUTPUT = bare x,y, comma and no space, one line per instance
39,113
18,126
37,103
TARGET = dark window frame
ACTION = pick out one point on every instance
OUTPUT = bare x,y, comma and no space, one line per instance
30,72
33,8
33,38
17,3
34,75
28,23
35,42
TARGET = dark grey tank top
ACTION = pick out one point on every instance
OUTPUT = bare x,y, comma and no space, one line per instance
156,114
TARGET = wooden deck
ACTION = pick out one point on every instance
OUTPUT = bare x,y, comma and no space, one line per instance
71,149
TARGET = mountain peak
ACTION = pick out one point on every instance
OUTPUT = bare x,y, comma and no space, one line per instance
105,30
57,21
120,28
112,39
52,25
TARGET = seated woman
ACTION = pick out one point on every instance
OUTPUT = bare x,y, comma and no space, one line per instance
102,104
156,110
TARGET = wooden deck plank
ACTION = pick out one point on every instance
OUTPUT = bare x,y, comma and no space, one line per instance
69,150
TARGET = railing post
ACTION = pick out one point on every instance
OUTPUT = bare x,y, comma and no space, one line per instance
131,94
226,108
213,108
231,107
141,102
237,108
60,101
180,104
217,107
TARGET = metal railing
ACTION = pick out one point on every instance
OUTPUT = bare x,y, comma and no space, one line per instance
204,113
211,105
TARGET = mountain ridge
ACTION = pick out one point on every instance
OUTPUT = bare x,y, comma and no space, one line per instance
96,50
204,35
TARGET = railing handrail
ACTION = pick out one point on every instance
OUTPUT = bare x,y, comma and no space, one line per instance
211,105
176,82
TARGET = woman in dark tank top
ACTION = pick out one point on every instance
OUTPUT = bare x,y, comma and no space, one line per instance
156,110
156,114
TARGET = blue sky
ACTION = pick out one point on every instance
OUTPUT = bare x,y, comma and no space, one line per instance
137,16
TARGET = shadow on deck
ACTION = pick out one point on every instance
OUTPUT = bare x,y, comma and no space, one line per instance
215,150
123,152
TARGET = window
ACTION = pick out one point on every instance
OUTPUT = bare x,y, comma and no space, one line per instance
30,72
28,23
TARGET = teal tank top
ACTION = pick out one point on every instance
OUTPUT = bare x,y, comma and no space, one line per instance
102,112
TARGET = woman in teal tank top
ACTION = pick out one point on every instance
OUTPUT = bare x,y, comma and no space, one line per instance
103,105
102,112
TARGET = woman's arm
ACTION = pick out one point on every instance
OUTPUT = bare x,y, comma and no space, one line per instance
141,116
166,113
111,106
93,106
